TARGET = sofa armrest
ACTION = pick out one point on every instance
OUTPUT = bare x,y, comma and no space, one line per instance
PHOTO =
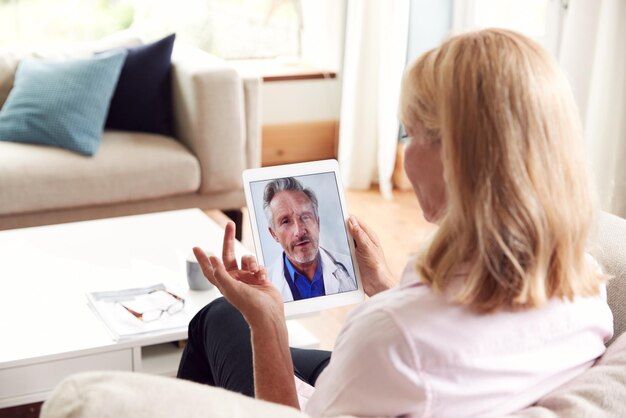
611,254
124,394
213,111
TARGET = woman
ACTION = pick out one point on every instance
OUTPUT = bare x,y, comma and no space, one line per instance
502,307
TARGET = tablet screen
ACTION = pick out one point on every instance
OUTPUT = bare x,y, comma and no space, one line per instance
303,236
299,223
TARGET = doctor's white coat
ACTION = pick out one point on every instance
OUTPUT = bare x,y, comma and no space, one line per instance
335,271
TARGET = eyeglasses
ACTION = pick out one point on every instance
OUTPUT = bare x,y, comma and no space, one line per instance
154,314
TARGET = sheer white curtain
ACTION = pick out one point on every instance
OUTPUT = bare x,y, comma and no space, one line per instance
593,54
322,32
374,60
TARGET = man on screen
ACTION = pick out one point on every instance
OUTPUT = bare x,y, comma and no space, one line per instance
304,270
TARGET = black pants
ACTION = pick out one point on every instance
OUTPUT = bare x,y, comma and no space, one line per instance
219,351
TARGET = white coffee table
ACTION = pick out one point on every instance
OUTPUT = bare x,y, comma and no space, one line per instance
48,330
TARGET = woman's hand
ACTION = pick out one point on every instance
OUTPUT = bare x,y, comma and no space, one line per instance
375,273
247,288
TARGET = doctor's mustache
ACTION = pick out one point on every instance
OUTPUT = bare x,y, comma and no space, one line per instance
301,240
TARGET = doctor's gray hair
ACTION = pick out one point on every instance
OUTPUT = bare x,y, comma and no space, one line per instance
286,184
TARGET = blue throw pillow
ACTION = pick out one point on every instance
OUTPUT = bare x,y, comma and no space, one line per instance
61,103
142,101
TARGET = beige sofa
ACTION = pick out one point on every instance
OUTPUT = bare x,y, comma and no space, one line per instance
599,392
217,135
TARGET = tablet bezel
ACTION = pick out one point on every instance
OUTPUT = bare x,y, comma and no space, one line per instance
305,306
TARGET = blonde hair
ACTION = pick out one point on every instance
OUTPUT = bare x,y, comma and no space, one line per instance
520,207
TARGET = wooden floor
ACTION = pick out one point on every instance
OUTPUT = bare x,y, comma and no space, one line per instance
401,229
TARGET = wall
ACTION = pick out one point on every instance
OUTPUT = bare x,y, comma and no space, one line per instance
300,100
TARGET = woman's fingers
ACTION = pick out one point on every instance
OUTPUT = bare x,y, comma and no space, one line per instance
362,238
248,263
228,248
228,284
257,277
261,274
369,232
205,264
223,281
372,265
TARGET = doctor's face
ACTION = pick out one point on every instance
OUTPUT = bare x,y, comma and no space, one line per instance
295,226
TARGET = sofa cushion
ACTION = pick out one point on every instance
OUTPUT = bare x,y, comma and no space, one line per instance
142,101
61,103
128,167
123,394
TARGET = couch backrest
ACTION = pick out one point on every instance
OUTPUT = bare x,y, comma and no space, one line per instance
611,254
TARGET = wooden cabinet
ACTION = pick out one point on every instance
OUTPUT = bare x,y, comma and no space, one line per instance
299,142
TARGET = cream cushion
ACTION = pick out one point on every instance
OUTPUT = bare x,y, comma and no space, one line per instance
128,167
599,392
123,394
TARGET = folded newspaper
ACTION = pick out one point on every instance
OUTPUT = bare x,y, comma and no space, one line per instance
113,308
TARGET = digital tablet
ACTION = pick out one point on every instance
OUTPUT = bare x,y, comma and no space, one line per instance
298,215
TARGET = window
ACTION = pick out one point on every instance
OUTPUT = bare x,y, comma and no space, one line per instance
539,19
227,28
37,22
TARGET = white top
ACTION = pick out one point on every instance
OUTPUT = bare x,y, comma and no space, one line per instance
410,352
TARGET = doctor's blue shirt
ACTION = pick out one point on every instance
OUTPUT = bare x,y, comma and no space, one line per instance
306,288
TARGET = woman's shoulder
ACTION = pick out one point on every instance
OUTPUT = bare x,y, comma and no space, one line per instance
432,321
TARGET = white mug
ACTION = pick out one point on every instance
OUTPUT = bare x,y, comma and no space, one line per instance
195,277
